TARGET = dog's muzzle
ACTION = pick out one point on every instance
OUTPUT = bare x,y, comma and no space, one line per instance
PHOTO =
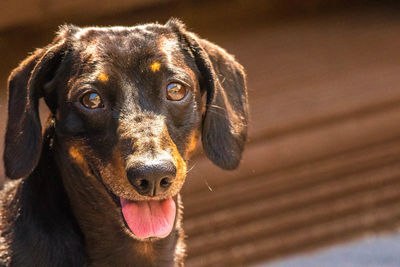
152,178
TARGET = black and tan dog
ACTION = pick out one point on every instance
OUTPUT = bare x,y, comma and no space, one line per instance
100,186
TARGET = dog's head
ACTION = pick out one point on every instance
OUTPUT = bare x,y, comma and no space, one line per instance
127,105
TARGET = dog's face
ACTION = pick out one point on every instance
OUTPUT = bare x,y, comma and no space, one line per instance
128,112
132,107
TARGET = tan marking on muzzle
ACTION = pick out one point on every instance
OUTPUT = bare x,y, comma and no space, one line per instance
77,156
181,169
163,148
115,178
191,145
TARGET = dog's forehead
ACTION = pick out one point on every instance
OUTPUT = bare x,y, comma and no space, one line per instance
129,63
126,42
89,34
128,50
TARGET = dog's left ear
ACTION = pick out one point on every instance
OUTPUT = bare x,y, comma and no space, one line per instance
223,79
26,84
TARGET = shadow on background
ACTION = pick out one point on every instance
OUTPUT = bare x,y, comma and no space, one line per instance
321,165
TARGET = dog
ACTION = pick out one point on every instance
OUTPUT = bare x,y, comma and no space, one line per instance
99,186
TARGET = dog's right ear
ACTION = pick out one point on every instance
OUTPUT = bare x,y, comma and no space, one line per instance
23,140
223,80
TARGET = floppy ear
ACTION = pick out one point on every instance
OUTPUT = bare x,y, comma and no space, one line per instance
26,84
226,117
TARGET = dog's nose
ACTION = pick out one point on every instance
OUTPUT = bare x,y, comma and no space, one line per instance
152,179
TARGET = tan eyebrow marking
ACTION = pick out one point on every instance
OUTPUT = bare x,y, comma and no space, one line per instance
103,77
155,66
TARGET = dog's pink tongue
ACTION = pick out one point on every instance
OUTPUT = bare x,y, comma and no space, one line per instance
149,218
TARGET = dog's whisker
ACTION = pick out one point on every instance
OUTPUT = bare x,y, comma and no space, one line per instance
208,186
191,168
216,106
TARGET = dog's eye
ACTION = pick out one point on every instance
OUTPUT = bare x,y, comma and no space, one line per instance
92,101
176,91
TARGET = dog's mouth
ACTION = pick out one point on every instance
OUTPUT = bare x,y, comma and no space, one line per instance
149,219
146,219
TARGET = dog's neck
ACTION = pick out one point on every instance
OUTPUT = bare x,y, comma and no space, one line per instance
107,240
41,222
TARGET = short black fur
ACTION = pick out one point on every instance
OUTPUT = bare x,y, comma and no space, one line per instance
64,210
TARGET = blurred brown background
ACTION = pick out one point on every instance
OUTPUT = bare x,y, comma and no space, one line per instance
322,163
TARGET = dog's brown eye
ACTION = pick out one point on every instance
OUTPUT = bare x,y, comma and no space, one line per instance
176,91
92,101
